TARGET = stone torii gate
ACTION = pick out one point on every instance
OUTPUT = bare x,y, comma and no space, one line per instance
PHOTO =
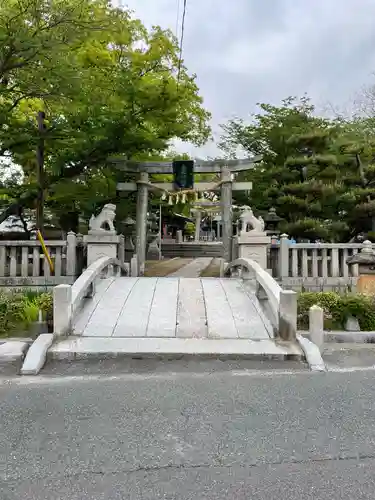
226,185
203,206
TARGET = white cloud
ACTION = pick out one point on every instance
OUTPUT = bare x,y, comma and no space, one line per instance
249,51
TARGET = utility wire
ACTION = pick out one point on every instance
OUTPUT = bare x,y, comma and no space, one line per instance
181,41
177,17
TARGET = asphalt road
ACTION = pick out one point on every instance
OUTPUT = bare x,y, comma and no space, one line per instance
223,435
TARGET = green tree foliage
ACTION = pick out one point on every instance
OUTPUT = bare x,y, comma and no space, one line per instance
310,171
108,87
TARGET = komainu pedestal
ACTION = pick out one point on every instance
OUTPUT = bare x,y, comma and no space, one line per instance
253,241
102,239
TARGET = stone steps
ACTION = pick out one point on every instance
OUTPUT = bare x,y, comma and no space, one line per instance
191,250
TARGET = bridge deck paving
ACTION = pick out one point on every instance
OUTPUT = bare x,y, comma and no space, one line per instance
173,307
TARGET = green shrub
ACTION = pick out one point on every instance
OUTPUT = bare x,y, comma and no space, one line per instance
45,303
337,309
189,228
11,310
19,310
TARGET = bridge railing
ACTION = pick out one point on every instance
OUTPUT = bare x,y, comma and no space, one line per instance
68,299
280,304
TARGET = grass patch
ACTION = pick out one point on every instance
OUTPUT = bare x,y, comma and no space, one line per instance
18,311
212,270
161,268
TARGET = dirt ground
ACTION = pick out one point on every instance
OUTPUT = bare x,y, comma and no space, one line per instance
162,268
213,270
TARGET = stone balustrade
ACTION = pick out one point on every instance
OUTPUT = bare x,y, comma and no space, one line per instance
23,263
68,299
313,266
280,304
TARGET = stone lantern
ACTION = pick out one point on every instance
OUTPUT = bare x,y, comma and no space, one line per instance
129,233
153,249
272,221
365,260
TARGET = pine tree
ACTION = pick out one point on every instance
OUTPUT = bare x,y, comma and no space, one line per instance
310,170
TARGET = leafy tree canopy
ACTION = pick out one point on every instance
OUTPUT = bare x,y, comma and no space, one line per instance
107,85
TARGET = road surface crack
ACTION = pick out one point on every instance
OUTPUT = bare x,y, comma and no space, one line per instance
216,464
220,465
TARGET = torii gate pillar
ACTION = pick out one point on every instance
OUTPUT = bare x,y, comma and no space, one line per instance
226,213
141,221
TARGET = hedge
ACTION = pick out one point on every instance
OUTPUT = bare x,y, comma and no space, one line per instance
19,310
337,309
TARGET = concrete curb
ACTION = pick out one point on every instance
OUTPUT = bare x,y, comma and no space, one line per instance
344,337
12,353
36,355
28,340
170,348
312,354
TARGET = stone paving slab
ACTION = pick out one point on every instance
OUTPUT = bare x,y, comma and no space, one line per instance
76,347
193,269
173,306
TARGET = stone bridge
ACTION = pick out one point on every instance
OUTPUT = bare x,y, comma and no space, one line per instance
107,311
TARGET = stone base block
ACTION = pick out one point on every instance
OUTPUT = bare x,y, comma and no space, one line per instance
101,244
253,246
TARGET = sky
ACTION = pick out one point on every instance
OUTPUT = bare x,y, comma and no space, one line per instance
250,51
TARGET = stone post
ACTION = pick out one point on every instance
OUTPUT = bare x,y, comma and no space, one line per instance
316,326
71,254
226,212
141,221
222,268
288,315
62,309
198,218
179,238
134,266
121,248
284,257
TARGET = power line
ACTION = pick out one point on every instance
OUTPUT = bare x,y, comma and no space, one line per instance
181,40
177,17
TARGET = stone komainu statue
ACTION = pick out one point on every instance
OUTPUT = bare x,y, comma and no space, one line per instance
248,219
104,218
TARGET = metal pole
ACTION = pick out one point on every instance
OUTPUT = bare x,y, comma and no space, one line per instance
141,221
40,173
226,213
